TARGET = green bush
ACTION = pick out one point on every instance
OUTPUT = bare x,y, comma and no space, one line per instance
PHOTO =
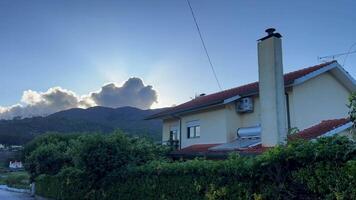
47,154
324,169
15,179
89,159
68,184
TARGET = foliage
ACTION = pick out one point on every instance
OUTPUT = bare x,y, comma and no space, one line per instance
85,160
352,113
352,107
47,154
324,169
17,179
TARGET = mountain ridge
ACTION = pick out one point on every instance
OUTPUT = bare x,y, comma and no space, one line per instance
95,119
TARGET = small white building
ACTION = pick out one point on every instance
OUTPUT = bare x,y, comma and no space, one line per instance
255,116
15,165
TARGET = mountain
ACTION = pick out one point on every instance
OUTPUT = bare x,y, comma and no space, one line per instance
95,119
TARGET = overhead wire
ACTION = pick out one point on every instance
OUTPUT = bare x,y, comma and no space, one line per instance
348,53
204,46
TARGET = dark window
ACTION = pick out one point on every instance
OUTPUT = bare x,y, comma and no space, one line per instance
173,135
193,131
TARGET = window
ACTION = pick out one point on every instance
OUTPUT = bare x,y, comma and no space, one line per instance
173,135
193,129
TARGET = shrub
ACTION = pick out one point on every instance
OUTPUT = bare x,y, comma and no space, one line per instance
88,158
17,180
113,168
47,154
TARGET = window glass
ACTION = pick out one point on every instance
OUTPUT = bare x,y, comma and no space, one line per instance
193,131
197,131
174,135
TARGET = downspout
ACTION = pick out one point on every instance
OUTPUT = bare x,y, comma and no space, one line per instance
288,111
180,133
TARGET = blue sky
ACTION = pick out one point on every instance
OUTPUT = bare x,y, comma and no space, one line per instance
82,45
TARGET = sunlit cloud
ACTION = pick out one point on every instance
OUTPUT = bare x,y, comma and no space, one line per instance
132,93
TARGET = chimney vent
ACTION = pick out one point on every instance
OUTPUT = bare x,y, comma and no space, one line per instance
270,31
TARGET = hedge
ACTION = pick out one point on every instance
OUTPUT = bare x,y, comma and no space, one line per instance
325,169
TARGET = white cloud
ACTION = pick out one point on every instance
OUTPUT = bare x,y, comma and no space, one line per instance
132,93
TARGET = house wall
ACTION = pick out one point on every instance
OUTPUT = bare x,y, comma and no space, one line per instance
236,120
320,98
233,121
167,124
317,99
213,127
253,118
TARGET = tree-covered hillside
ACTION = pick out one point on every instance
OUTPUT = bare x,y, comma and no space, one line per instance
95,119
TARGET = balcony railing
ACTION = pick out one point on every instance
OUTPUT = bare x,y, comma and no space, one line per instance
173,143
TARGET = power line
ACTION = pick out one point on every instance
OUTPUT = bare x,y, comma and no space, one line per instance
204,46
333,56
348,53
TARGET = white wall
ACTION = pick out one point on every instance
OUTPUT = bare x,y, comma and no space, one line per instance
252,119
213,127
233,121
167,124
217,125
317,99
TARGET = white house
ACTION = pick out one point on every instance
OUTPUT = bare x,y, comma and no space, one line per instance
256,116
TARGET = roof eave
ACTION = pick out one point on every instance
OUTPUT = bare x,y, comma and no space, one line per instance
182,112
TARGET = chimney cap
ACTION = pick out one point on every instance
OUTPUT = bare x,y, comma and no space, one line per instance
271,33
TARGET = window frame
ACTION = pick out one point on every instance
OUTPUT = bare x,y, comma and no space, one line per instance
195,127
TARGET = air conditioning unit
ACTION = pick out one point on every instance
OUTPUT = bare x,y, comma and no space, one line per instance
244,105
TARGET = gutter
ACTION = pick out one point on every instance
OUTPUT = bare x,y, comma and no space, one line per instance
337,130
209,155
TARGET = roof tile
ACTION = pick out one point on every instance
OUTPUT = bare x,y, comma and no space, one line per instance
243,90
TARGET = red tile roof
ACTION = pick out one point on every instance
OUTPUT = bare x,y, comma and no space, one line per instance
307,134
319,129
243,90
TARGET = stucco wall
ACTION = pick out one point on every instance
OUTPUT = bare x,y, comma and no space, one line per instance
251,119
233,121
317,99
213,127
217,125
167,124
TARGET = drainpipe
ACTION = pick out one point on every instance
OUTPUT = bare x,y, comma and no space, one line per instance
288,111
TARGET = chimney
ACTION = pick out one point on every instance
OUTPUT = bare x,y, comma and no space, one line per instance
271,86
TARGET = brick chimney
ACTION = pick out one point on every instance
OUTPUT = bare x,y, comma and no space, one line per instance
271,90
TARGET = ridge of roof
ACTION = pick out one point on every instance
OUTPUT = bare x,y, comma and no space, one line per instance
244,90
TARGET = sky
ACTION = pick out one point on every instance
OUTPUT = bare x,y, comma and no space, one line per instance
88,53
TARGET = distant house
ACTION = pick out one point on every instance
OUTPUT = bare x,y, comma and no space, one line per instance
253,117
15,165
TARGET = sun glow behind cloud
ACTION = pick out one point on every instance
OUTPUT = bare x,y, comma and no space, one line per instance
132,93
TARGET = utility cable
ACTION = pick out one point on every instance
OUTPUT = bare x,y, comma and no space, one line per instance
204,46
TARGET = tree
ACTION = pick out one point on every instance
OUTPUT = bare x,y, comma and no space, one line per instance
352,112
